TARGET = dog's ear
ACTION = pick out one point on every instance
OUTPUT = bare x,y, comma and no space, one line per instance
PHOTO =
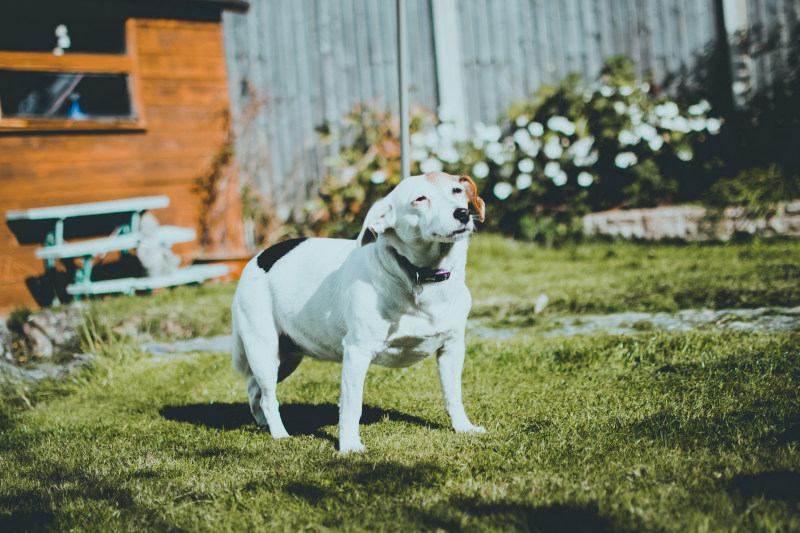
472,194
380,217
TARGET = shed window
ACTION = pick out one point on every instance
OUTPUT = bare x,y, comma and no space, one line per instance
58,74
75,96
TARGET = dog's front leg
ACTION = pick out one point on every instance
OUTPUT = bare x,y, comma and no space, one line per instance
451,361
354,371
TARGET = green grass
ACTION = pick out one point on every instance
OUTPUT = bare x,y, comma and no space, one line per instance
182,312
507,276
666,432
650,432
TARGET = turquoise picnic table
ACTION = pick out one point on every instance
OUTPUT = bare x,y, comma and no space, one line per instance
125,237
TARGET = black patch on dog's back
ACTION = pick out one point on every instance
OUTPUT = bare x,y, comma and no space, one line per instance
270,256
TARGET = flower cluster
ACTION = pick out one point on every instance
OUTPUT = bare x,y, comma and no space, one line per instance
559,144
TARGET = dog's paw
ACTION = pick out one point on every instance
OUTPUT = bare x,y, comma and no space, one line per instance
356,447
470,429
280,434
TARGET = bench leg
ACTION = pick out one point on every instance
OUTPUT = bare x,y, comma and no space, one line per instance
84,275
50,264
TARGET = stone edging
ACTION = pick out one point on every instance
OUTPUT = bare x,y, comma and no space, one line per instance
691,223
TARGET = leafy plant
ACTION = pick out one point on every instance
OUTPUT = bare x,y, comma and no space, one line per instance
365,170
16,320
19,344
759,190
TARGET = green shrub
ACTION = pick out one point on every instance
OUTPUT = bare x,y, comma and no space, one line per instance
16,319
572,149
759,190
365,170
19,344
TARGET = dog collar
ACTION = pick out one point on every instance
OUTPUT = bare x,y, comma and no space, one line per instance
420,275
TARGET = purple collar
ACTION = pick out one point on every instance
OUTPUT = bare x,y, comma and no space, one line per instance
420,275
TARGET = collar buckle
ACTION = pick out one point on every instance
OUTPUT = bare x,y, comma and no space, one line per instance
441,275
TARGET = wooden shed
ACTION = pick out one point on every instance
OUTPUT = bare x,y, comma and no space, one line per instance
111,99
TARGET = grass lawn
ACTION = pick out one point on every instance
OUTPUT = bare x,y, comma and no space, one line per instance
650,432
507,276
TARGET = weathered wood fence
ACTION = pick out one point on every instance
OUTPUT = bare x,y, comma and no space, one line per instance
297,65
509,49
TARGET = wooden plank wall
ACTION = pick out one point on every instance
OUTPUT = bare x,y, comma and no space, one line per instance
184,92
295,66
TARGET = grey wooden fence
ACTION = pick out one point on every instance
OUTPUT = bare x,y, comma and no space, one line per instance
510,48
764,38
295,65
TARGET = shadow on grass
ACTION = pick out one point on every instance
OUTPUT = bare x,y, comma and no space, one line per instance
791,433
332,485
27,521
32,508
782,486
334,481
511,516
298,418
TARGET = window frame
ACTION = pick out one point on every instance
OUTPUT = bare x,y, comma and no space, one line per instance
125,63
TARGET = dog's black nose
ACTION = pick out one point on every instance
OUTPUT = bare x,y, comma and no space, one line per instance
461,214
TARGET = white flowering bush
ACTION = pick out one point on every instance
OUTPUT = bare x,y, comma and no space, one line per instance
567,151
575,149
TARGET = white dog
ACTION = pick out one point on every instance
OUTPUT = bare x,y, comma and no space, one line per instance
393,297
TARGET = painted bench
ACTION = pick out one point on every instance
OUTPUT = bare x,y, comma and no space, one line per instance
59,214
168,235
182,276
125,238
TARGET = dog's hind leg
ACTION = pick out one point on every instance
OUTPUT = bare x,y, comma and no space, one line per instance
290,357
254,395
241,365
256,331
262,351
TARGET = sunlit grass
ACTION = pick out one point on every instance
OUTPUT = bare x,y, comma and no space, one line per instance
664,432
650,432
507,276
180,312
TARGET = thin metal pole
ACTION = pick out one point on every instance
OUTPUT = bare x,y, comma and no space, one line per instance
402,71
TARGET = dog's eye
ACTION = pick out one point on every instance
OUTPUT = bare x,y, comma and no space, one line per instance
420,199
457,190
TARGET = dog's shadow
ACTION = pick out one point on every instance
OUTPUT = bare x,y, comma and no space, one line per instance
298,418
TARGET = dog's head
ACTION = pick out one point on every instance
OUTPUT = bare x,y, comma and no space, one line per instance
433,208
